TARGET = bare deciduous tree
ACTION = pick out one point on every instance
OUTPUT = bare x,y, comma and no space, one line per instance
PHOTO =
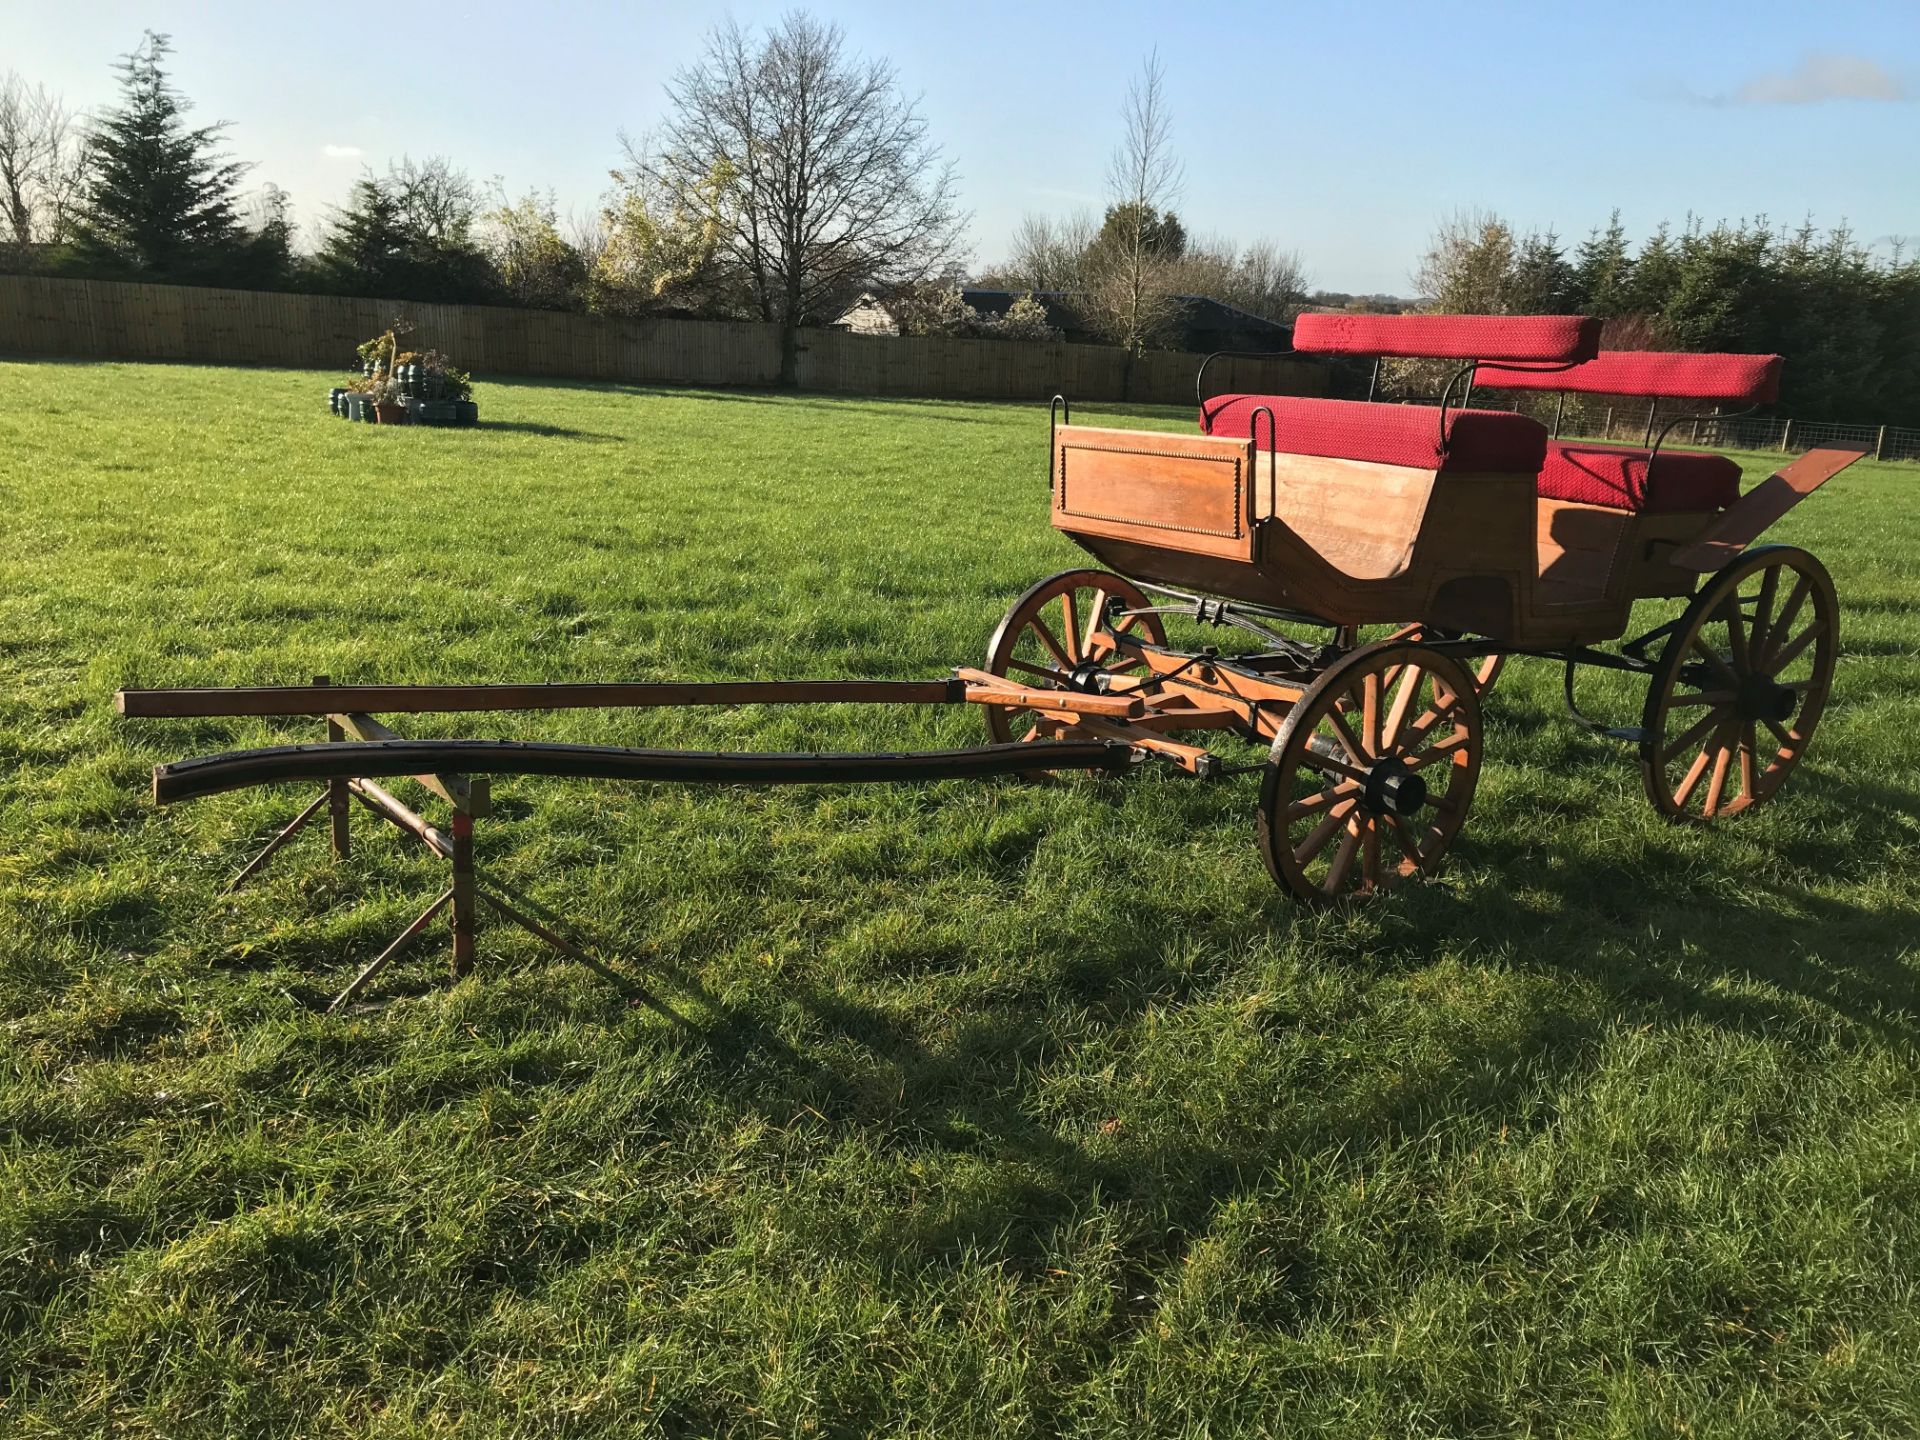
1260,278
833,184
435,199
1049,254
40,162
1129,294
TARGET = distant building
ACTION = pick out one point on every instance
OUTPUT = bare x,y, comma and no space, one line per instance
868,316
1205,324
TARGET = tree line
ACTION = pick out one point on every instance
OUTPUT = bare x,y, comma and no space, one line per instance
1846,319
791,175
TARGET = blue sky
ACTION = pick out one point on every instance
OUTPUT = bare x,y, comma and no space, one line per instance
1342,131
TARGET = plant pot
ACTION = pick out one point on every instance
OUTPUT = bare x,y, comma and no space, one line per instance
389,412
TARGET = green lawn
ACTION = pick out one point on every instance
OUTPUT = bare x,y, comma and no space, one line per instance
988,1109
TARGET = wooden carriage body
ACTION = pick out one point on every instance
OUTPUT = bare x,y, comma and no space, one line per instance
1476,521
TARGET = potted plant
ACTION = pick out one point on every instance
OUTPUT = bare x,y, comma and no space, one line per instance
399,385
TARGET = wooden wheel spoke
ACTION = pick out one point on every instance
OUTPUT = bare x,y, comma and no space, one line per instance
1051,642
1690,782
1361,755
1789,612
1070,622
1423,726
1043,672
1790,652
1717,786
1693,735
1454,744
1780,732
1327,765
1749,755
1763,609
1370,852
1409,842
1317,838
1410,677
1714,659
1370,713
1736,623
1093,621
1320,800
1342,860
1701,697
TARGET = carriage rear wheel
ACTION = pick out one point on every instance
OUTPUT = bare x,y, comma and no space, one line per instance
1052,639
1740,686
1371,774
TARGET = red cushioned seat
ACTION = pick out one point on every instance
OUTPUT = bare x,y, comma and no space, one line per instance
1616,476
1477,440
1550,339
1745,379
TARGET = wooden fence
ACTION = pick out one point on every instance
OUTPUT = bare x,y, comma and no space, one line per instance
109,320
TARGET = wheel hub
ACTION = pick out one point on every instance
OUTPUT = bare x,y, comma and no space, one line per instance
1392,789
1089,677
1761,699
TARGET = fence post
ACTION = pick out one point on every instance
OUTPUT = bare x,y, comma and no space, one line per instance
1559,406
1606,432
1880,444
1653,405
1786,435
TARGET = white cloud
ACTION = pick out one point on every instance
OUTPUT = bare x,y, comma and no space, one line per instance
1818,77
342,152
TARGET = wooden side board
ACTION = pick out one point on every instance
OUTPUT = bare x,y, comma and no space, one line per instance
1186,492
1363,519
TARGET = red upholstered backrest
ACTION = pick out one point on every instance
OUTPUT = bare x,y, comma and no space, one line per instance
1477,440
1547,339
1751,379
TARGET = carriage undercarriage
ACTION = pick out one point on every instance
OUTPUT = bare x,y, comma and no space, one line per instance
1374,748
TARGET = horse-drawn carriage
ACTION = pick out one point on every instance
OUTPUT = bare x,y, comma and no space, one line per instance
1475,533
1472,532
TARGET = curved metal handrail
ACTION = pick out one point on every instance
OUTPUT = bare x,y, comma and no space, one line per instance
1254,521
1200,377
1653,451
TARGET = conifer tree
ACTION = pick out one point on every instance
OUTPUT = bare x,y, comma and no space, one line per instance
160,198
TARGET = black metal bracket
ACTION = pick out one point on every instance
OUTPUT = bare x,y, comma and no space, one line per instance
1059,413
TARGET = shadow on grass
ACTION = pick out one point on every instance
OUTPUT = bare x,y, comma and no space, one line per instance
551,432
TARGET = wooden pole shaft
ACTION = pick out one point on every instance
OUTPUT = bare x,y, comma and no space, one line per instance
419,699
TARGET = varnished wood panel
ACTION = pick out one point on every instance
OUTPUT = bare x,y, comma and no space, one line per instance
1180,492
1361,518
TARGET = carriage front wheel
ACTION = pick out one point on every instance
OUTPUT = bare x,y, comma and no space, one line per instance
1371,774
1054,638
1740,686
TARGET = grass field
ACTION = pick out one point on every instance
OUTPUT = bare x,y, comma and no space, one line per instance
988,1109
